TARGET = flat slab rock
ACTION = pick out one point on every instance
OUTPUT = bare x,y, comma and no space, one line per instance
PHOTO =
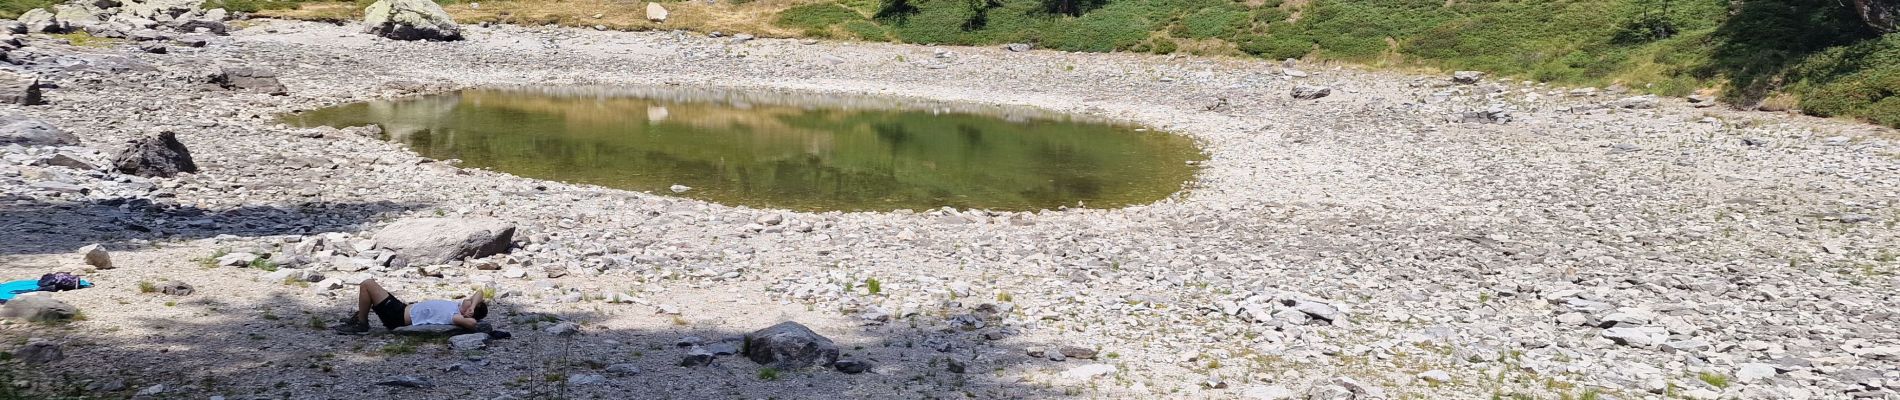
439,330
429,241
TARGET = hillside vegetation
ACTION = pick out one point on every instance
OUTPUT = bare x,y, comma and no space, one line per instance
1816,56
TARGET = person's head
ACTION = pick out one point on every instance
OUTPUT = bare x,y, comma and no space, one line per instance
478,309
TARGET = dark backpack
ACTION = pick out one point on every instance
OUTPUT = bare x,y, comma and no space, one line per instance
58,281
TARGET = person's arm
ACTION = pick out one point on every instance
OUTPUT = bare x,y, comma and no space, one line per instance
464,322
467,308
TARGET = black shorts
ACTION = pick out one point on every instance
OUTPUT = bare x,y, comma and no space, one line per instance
390,310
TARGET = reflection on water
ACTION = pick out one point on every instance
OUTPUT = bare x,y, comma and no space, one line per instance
786,151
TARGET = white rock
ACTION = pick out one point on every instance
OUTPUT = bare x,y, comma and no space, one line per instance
1090,371
1274,392
655,12
1751,372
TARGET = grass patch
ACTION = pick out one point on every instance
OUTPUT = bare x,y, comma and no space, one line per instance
264,264
83,39
147,287
11,9
873,287
1714,379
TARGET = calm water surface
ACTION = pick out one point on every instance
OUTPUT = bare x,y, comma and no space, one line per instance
785,151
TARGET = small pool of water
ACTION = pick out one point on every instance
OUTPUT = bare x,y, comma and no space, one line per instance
786,151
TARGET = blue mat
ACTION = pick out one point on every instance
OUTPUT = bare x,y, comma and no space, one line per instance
15,288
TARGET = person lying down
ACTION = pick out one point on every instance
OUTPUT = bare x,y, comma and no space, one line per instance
371,298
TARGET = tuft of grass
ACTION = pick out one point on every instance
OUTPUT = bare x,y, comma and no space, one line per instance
873,287
264,264
1714,379
147,287
768,374
83,39
212,260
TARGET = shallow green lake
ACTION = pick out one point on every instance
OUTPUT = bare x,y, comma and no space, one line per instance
786,151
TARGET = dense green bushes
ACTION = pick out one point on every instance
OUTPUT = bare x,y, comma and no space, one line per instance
11,9
1750,49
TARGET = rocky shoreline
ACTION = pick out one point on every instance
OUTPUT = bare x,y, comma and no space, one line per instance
1395,237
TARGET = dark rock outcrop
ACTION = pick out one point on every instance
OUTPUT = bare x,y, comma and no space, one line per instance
159,155
1883,15
789,345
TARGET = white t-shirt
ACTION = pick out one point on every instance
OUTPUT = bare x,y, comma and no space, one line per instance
433,312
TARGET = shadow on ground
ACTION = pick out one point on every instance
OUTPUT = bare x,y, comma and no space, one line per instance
278,347
1764,38
46,228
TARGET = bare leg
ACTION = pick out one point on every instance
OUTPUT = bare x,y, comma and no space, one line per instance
367,295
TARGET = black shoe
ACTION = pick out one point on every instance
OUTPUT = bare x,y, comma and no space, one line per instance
351,328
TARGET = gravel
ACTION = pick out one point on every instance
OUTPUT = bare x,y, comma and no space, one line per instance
1484,232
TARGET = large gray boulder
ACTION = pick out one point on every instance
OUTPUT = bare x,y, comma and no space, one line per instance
429,241
38,308
162,10
159,155
39,20
247,78
19,88
789,345
410,20
33,132
78,15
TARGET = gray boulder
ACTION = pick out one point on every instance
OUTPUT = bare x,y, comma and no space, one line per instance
38,307
13,27
429,241
1643,102
247,78
78,16
159,155
159,9
439,330
96,256
469,341
1310,92
410,20
789,345
33,132
214,27
39,20
20,88
1467,77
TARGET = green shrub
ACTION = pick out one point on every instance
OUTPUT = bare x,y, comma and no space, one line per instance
1211,22
867,30
1163,45
818,15
1276,46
